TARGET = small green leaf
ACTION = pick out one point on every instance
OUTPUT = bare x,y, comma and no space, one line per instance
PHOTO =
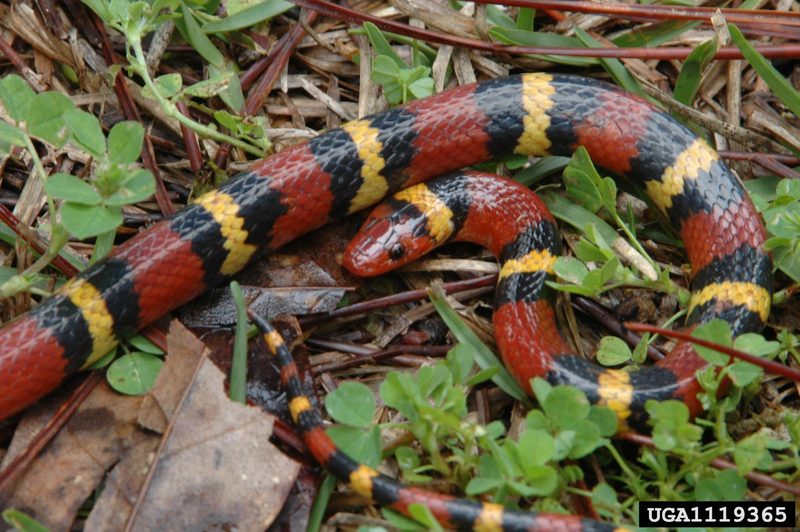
671,427
752,452
541,389
136,20
169,84
581,178
788,188
86,132
536,447
587,439
249,17
653,35
640,351
134,373
565,440
228,120
352,403
70,188
138,186
422,87
103,361
525,17
407,458
594,281
609,270
540,480
544,167
397,391
401,522
577,216
542,39
727,485
604,418
84,221
460,360
604,499
587,251
382,46
479,485
570,269
743,373
125,142
691,74
384,70
613,351
46,117
16,96
359,444
717,331
238,373
198,39
779,84
672,413
143,344
12,135
423,514
756,345
210,87
565,406
482,376
22,521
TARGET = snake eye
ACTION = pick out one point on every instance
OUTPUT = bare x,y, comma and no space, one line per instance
397,251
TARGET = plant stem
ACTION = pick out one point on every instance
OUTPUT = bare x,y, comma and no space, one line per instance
58,238
620,461
633,240
20,281
172,111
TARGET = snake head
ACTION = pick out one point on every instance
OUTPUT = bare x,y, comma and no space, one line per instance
394,234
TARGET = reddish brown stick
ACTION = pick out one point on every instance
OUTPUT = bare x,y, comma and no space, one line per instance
768,365
789,51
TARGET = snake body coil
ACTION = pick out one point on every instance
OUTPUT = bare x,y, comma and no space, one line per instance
355,166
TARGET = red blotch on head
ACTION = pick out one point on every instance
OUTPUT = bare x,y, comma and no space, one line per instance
387,240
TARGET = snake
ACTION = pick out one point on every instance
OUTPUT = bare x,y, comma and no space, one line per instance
352,167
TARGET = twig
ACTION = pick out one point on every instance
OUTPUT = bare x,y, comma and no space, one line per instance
614,325
739,134
727,52
49,431
665,12
397,299
768,365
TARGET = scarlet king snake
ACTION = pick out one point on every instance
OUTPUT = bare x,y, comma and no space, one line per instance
350,168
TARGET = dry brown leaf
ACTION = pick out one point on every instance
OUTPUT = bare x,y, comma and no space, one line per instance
217,469
72,466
